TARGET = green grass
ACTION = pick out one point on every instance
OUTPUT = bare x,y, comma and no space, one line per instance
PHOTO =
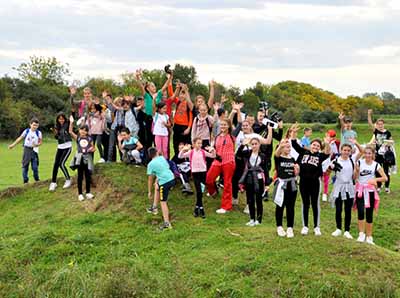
51,245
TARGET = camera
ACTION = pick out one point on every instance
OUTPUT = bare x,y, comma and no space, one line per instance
218,158
167,69
337,167
263,105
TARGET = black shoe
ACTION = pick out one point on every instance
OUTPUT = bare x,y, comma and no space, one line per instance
265,196
196,212
202,213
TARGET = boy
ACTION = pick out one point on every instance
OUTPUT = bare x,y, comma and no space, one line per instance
159,168
32,140
348,135
129,146
306,139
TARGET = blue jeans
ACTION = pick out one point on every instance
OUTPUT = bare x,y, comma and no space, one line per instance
35,168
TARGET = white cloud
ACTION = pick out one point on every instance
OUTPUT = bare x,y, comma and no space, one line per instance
383,51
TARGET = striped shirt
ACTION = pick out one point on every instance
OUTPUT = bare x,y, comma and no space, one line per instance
225,148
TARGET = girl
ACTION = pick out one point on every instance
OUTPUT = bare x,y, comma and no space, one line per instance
310,162
253,179
285,190
161,127
198,165
83,159
367,198
64,149
200,100
115,106
202,126
343,188
96,122
224,163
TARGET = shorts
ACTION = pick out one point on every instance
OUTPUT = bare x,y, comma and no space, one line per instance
164,190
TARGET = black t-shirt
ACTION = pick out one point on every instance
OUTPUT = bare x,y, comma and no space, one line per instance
380,137
285,167
262,130
310,163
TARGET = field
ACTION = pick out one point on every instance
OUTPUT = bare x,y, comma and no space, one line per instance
51,245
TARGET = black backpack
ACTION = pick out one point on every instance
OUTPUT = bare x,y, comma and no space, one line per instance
389,157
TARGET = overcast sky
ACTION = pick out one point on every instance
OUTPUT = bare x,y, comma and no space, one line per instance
345,46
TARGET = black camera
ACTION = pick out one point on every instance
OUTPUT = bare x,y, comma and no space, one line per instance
275,117
218,157
263,105
337,167
167,69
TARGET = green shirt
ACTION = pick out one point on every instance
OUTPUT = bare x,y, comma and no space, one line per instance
148,102
159,167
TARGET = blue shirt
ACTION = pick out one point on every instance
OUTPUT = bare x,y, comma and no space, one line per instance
159,167
131,141
347,136
305,142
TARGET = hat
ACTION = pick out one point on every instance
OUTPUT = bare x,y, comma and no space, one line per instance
331,133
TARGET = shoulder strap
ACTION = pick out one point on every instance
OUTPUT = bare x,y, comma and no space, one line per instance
376,166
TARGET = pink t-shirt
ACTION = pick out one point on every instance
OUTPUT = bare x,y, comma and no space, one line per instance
198,163
96,124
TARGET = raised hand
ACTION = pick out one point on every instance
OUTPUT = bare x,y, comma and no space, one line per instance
72,90
341,115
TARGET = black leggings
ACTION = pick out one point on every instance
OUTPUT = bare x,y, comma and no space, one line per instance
369,212
97,139
179,137
198,178
255,198
348,204
236,177
289,201
59,162
84,170
309,190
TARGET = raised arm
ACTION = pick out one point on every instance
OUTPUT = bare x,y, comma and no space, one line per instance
341,117
212,93
139,81
293,134
167,82
187,97
282,144
370,123
277,135
268,139
71,128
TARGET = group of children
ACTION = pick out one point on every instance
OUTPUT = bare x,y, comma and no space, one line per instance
219,155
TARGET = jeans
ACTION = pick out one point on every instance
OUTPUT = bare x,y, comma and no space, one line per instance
35,168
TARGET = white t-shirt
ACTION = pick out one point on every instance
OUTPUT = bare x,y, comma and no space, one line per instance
242,136
294,153
159,129
32,138
346,174
367,171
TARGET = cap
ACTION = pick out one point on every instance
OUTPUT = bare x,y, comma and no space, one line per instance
331,133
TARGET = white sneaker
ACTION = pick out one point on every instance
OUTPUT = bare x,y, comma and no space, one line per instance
81,198
370,240
304,231
221,211
317,231
379,189
67,184
324,197
257,223
89,196
52,186
101,160
246,209
281,232
347,235
361,237
289,233
387,190
251,223
235,202
337,233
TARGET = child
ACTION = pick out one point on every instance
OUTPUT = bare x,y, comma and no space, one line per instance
202,126
310,162
96,122
158,168
64,149
198,166
305,140
183,166
285,190
83,159
161,126
129,146
117,124
32,138
343,188
347,133
335,144
254,179
367,198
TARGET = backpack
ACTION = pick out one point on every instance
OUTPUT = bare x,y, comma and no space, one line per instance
191,157
389,157
26,131
174,169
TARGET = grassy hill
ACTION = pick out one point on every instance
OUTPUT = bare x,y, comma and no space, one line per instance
51,245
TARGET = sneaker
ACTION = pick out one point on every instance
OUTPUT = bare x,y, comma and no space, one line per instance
235,202
202,213
281,232
304,231
324,197
187,189
387,190
165,226
89,196
361,237
379,189
153,210
196,212
67,184
347,235
251,223
257,223
221,211
289,233
337,233
317,231
52,186
246,209
370,240
101,160
81,198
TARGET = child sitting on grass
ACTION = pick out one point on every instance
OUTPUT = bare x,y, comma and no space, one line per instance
32,140
129,146
158,168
